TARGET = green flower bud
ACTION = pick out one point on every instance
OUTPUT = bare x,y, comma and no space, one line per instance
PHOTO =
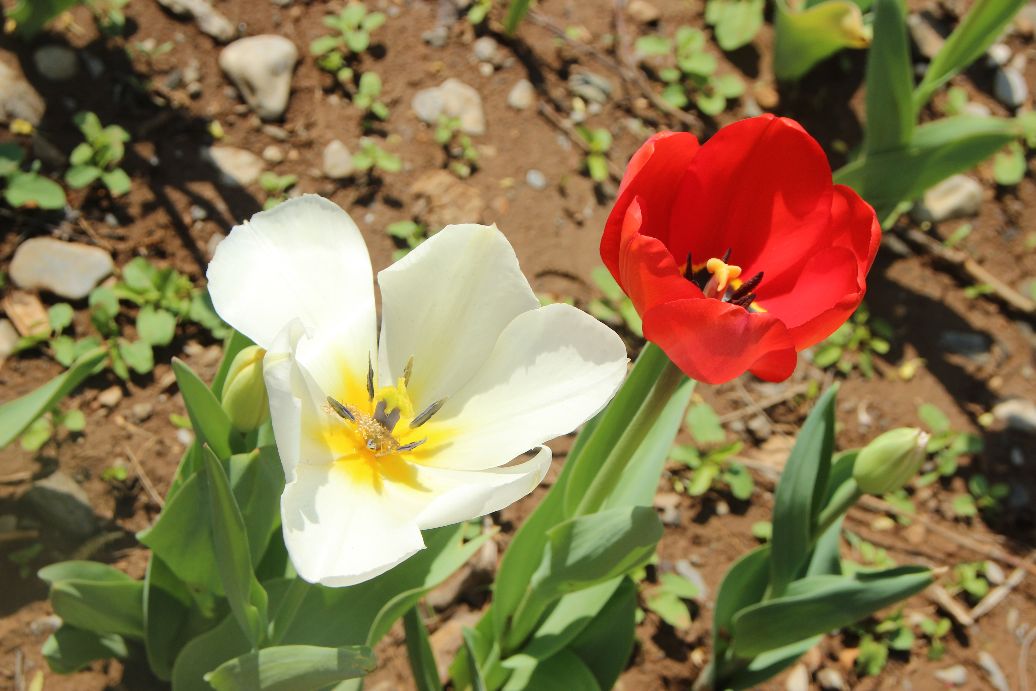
244,392
889,461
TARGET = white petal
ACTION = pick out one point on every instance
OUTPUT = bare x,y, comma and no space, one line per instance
551,370
303,259
460,495
338,533
445,304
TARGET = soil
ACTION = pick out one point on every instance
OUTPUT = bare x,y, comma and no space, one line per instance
555,232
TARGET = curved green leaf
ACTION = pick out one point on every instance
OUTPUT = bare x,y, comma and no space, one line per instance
291,668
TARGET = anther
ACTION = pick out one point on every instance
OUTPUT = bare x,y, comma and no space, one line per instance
408,370
340,410
743,301
726,255
747,287
426,414
370,378
386,419
688,271
412,445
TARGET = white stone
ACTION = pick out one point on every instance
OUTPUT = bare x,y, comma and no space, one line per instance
18,99
1009,87
273,154
338,162
237,165
928,41
830,679
798,679
536,179
8,338
453,98
56,63
956,197
642,11
68,269
999,54
1017,413
956,675
208,18
522,95
261,69
486,50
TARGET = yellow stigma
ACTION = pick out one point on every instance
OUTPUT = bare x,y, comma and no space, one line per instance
722,275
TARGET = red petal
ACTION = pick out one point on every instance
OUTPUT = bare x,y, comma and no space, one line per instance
714,342
761,187
647,272
653,176
856,227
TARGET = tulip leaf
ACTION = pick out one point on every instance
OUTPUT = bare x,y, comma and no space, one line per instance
982,25
800,492
208,418
419,652
17,415
768,665
569,619
516,12
167,603
817,604
69,649
102,607
247,598
806,37
206,652
606,642
82,571
890,107
565,671
743,585
291,668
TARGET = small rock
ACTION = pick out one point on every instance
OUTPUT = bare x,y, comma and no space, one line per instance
994,574
1018,414
976,108
989,665
453,98
18,100
436,37
522,95
967,343
68,269
27,313
261,68
760,427
338,162
830,679
956,675
486,50
668,506
955,197
140,412
536,179
643,12
273,154
927,39
450,590
185,436
590,86
798,679
442,199
722,508
213,243
8,338
238,166
56,63
45,625
1009,87
62,503
276,132
1025,20
110,397
685,569
999,54
209,19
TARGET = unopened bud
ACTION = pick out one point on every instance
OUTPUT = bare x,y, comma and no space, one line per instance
889,461
244,392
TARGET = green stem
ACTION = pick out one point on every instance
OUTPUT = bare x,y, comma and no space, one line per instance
610,472
286,611
843,499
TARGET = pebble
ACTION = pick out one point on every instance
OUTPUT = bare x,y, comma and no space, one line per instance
798,679
1009,87
1018,414
668,506
440,198
452,98
210,20
957,675
590,86
685,569
436,37
18,100
110,397
261,68
830,679
536,179
999,54
185,436
27,313
994,573
643,12
337,161
760,427
486,50
140,412
58,500
45,625
8,338
273,154
239,166
927,39
958,196
967,343
56,63
522,95
68,269
989,665
276,132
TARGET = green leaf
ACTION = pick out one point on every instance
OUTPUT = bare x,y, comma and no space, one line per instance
206,652
736,22
292,668
1010,166
11,156
728,86
137,355
31,190
472,641
818,604
933,418
155,326
980,28
670,608
740,481
797,500
69,649
59,316
597,167
37,434
804,38
245,595
208,418
605,643
653,45
569,619
17,415
117,182
419,652
74,421
167,603
710,104
890,107
79,177
704,424
516,12
743,585
100,606
564,671
30,16
324,44
702,479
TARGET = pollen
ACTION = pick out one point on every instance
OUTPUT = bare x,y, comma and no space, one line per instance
722,275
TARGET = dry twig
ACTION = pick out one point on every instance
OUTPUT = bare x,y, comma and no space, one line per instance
939,596
1000,593
145,481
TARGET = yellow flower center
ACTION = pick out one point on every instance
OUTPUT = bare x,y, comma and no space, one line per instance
722,275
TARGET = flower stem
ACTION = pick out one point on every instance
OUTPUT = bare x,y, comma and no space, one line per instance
841,501
611,470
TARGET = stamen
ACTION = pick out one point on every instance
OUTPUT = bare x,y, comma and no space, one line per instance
688,271
412,445
426,414
743,301
340,410
408,370
726,255
747,287
370,378
722,275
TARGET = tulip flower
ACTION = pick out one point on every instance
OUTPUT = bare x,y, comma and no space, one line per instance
381,438
741,252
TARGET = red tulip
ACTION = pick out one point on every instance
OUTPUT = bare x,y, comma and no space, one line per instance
739,253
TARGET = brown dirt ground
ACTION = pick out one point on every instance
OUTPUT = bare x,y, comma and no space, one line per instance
555,232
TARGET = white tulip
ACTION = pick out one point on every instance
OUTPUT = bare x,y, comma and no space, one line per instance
383,438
